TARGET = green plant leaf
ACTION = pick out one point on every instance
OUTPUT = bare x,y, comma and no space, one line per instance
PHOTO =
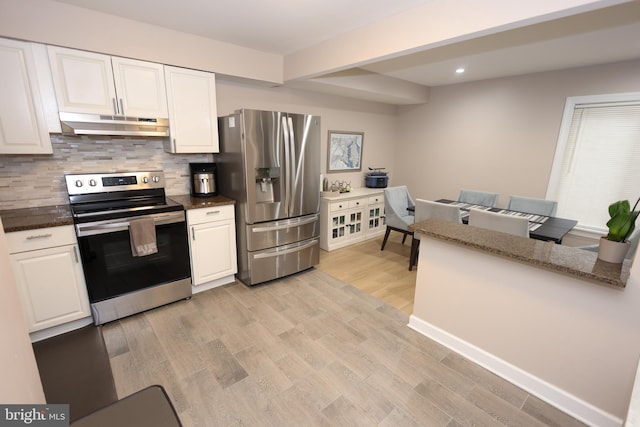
621,220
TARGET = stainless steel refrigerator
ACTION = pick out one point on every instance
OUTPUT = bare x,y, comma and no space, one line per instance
269,163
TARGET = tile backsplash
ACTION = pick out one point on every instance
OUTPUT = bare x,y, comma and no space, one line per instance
38,180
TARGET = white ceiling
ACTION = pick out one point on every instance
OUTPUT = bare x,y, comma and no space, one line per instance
285,26
274,26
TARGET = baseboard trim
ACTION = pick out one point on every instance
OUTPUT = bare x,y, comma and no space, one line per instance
213,284
549,393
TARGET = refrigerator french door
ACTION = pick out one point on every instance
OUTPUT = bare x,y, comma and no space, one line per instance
269,162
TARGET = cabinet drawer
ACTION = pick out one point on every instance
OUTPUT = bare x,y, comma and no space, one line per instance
356,203
29,240
374,200
338,206
215,213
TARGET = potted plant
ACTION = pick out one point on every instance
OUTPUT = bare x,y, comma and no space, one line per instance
614,246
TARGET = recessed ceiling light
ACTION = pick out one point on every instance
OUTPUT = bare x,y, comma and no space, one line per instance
460,70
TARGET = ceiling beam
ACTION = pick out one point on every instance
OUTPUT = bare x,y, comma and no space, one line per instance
434,24
366,85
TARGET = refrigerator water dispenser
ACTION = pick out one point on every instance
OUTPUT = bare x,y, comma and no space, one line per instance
266,179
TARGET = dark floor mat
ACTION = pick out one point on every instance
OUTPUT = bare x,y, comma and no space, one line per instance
150,407
74,369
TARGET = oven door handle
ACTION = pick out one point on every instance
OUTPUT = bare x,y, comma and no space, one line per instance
112,226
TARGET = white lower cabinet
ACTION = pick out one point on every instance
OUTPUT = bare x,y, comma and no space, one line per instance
49,276
212,241
352,217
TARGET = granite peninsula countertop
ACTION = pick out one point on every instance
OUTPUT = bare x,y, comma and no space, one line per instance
60,215
547,255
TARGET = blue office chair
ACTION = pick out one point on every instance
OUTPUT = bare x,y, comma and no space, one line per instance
397,217
426,209
517,225
532,205
478,198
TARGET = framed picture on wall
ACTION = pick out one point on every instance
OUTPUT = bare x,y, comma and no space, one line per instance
344,151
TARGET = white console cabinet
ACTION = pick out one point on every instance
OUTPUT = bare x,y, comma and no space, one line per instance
212,240
348,218
48,271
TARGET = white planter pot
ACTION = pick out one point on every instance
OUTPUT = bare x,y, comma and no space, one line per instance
611,251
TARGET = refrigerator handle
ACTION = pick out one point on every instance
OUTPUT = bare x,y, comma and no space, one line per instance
278,252
288,224
287,162
293,164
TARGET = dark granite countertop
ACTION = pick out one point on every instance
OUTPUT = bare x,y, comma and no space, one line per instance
56,216
547,255
34,218
191,202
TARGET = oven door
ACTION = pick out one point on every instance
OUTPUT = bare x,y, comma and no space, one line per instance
110,268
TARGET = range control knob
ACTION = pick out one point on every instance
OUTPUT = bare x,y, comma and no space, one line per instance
145,179
156,179
78,183
92,182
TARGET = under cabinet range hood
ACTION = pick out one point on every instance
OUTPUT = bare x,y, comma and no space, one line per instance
100,124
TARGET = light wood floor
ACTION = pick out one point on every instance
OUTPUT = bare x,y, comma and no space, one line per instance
311,350
383,274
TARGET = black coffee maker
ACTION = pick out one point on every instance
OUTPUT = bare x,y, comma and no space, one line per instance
203,179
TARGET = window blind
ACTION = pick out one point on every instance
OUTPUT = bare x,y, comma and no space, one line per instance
601,162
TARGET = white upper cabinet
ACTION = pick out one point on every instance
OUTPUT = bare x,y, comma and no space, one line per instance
83,81
27,100
193,117
87,82
140,87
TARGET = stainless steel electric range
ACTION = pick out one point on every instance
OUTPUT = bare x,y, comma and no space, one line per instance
119,280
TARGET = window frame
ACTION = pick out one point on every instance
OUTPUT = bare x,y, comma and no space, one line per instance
561,145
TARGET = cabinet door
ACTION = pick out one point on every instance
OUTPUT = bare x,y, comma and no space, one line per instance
355,223
338,227
376,219
51,286
23,126
140,88
213,251
83,81
193,121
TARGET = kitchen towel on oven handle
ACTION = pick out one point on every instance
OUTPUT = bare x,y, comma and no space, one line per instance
142,234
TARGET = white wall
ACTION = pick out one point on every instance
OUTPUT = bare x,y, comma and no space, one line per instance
377,121
571,342
495,135
18,370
